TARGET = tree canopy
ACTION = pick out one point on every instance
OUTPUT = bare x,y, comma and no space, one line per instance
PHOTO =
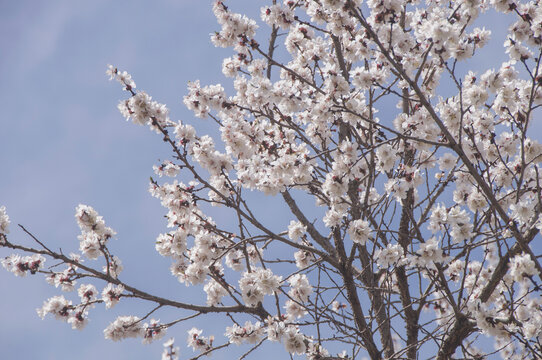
411,185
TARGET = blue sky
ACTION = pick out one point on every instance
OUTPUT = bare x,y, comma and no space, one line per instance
63,142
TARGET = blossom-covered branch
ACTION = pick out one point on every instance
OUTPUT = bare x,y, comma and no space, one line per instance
407,232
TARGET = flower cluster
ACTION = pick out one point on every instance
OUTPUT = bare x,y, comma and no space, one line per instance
198,342
170,352
94,233
111,295
4,222
249,333
22,265
294,341
124,327
254,285
62,309
359,231
390,255
153,331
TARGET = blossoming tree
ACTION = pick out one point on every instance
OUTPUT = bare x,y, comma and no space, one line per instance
410,235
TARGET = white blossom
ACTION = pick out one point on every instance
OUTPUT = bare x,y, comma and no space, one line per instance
87,292
215,292
78,319
429,253
111,294
445,185
522,266
294,341
4,221
170,352
124,327
22,265
359,231
296,230
153,331
198,342
300,288
249,333
390,255
58,306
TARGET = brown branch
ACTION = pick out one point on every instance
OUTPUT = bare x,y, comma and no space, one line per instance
460,330
271,50
259,310
353,298
311,229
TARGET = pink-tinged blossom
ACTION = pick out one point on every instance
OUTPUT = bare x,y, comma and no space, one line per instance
90,245
4,221
267,281
275,329
294,341
332,218
250,289
172,244
234,27
255,254
94,233
231,66
447,162
111,71
303,258
234,260
359,231
111,294
522,211
65,280
429,253
455,270
282,16
337,306
78,319
22,265
249,333
438,219
153,331
315,351
87,293
185,133
124,327
194,274
170,352
122,77
294,309
58,306
89,221
142,110
300,288
392,254
114,267
215,292
198,342
296,230
522,267
476,201
386,156
167,168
